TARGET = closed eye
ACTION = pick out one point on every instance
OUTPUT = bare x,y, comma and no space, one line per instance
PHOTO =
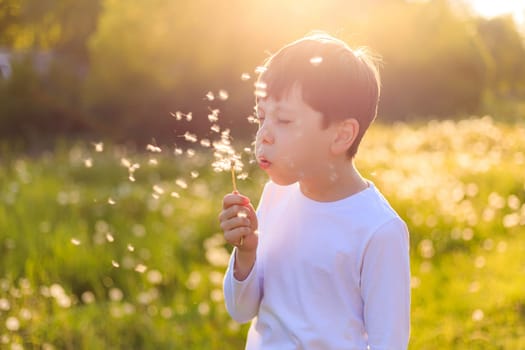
284,121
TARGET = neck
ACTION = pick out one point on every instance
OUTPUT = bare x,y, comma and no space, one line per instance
334,182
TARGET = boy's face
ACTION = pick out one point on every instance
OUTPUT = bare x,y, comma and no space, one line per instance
290,144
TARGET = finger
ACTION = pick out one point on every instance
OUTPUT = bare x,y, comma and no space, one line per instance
233,211
234,199
235,222
234,236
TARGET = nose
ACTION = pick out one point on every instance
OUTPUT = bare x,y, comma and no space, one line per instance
264,134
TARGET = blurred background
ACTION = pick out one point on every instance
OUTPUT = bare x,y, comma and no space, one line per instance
111,177
118,68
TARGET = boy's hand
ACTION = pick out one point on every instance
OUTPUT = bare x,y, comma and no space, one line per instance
239,222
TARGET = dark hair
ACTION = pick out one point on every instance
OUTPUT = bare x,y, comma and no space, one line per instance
335,80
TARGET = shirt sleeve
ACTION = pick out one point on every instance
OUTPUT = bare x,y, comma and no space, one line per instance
242,298
385,287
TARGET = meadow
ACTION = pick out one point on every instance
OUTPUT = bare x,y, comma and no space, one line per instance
106,247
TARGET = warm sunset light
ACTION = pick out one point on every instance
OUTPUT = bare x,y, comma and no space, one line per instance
492,8
127,126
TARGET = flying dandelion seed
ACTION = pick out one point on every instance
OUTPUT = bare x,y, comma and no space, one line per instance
190,152
245,76
189,117
260,69
178,151
88,162
242,176
247,150
140,268
181,183
153,161
125,162
252,120
260,89
190,137
215,128
205,143
131,248
175,195
99,146
115,264
223,95
111,201
315,61
213,116
210,96
177,115
75,241
157,189
194,174
110,238
153,148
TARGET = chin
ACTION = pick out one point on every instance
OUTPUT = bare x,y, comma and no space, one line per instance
282,181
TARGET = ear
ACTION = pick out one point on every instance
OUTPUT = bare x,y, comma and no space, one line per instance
344,136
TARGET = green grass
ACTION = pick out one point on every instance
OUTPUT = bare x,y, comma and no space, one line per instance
145,271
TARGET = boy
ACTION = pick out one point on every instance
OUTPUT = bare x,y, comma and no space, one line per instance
324,262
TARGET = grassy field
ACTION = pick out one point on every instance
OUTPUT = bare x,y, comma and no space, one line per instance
97,253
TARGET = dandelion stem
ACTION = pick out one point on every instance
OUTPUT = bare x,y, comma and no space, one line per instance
232,167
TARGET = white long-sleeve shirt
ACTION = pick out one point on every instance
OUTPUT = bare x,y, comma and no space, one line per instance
328,275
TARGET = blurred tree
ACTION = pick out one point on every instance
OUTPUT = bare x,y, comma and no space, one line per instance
507,53
433,62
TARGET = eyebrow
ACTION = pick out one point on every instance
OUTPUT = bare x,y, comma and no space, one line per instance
278,109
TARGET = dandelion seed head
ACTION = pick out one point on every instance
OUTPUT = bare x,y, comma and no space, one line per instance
12,324
115,294
99,146
26,314
316,61
88,297
154,277
140,268
204,308
4,304
477,315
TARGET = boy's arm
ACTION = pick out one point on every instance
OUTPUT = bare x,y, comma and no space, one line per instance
385,287
242,298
